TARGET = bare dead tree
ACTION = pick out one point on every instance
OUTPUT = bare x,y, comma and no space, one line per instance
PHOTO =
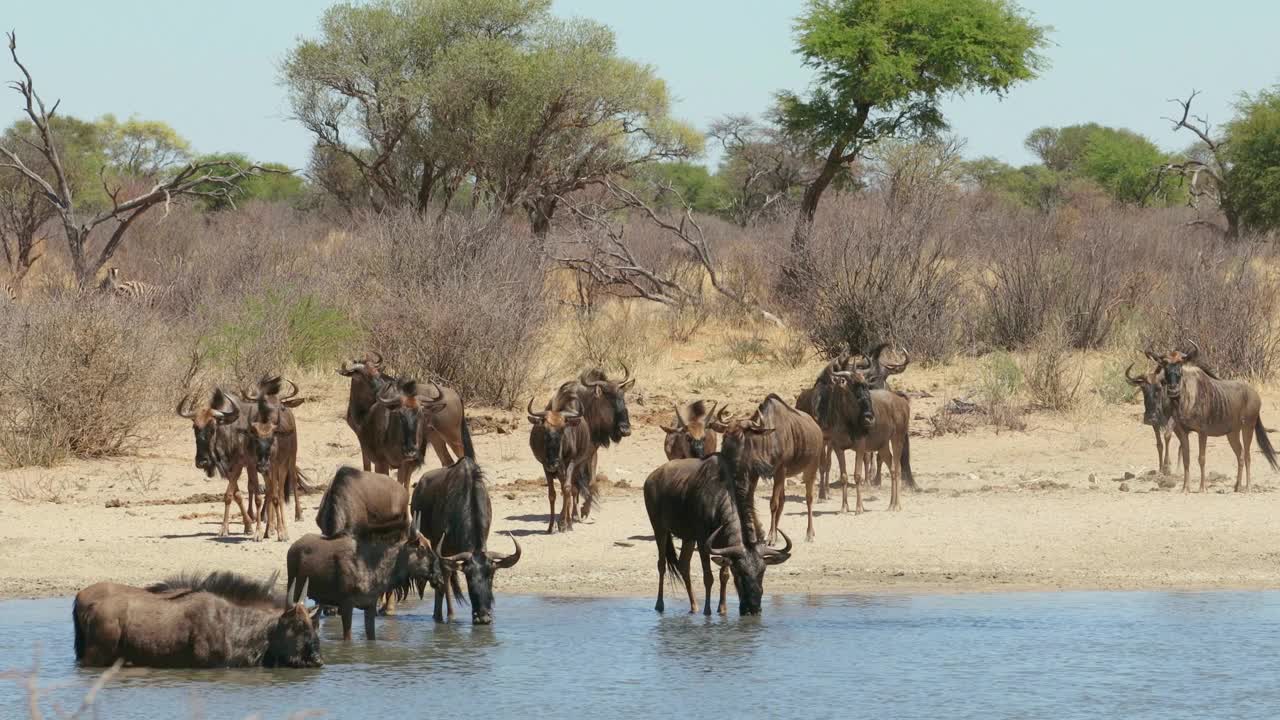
23,211
763,167
216,179
606,259
1207,176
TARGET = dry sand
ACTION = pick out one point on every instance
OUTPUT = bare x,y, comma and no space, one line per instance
1039,509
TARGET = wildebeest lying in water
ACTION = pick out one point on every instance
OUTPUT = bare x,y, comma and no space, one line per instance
454,505
705,502
221,620
347,572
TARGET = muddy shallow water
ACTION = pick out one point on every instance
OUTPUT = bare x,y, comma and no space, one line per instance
1026,655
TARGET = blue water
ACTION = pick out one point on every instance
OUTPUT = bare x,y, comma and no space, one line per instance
1050,655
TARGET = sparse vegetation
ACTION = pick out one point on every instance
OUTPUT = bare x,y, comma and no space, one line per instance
1052,376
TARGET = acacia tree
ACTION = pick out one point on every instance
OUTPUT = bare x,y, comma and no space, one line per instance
883,67
88,254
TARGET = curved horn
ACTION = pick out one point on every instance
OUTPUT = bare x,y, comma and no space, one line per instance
774,556
293,393
1130,378
439,393
302,594
1195,351
457,557
626,374
536,416
288,593
394,401
181,409
895,368
680,422
506,561
375,356
348,368
729,551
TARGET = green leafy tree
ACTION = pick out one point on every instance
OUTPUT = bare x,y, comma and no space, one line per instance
1254,155
883,68
141,148
700,190
1124,164
275,183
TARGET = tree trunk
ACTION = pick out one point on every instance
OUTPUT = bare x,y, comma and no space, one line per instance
799,265
540,214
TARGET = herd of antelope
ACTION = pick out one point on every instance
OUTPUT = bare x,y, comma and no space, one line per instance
380,538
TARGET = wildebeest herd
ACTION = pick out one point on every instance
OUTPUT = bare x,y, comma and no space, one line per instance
380,538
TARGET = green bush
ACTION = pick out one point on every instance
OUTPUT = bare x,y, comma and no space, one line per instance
280,329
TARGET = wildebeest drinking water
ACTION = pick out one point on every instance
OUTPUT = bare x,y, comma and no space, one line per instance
454,505
222,620
222,446
1209,406
706,503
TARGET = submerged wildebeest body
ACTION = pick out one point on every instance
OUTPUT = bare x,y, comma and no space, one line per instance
273,433
1157,411
692,436
1212,407
349,572
222,446
793,448
561,443
453,504
368,379
363,503
222,621
391,432
603,405
704,502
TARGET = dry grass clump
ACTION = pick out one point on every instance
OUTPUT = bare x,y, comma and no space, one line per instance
1052,377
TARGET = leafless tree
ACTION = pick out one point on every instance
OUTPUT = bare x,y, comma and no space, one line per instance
1206,171
600,251
200,179
23,210
763,167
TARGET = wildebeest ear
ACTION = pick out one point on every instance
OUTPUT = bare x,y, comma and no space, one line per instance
295,402
759,430
669,431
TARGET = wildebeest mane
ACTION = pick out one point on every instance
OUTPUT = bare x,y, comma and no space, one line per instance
233,587
1210,401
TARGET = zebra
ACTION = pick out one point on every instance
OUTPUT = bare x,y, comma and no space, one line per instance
143,293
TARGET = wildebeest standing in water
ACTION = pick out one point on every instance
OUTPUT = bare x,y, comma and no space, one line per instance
604,408
561,443
1209,406
794,448
706,504
454,505
220,621
367,381
1157,411
391,432
273,433
222,447
691,436
349,572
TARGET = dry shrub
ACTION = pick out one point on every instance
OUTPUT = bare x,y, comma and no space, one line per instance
1000,381
459,300
1228,301
1111,385
1052,380
79,376
880,274
610,335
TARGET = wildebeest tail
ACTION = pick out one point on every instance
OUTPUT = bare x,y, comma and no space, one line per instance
1264,444
468,449
582,482
671,560
907,478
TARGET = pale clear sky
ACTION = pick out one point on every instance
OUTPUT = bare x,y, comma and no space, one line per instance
211,69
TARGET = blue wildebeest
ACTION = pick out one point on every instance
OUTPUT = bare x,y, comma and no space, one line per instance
222,447
561,443
692,436
1157,411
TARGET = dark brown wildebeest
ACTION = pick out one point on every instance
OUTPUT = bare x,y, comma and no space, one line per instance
222,621
794,448
391,432
1157,411
454,505
692,436
870,421
604,408
1211,407
269,388
561,442
221,447
705,502
347,573
274,435
362,503
367,381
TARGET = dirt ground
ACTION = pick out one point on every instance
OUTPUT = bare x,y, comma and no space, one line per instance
1048,508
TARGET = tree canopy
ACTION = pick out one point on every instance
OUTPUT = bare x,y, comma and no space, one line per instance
1253,151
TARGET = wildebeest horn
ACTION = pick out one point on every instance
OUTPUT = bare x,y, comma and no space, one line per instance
302,594
536,416
392,401
1132,380
506,561
375,356
439,393
680,423
730,551
288,593
348,368
774,556
1195,351
182,411
223,407
895,368
292,394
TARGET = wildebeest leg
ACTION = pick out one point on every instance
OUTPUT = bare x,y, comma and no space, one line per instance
873,459
551,501
257,498
370,613
808,497
686,571
591,479
895,471
859,468
662,539
1184,450
345,611
1233,437
364,458
776,502
724,589
279,478
1204,440
1247,440
404,474
1161,448
441,447
438,614
708,579
824,470
451,586
566,489
297,497
844,478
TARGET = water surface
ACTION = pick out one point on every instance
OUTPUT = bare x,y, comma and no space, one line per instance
1027,655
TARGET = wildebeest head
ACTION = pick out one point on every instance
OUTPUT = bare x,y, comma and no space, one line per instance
1171,365
877,370
1153,393
370,369
479,567
611,409
405,407
294,639
689,436
554,422
747,563
855,384
222,410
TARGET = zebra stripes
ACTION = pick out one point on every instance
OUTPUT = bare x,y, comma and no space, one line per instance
136,291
